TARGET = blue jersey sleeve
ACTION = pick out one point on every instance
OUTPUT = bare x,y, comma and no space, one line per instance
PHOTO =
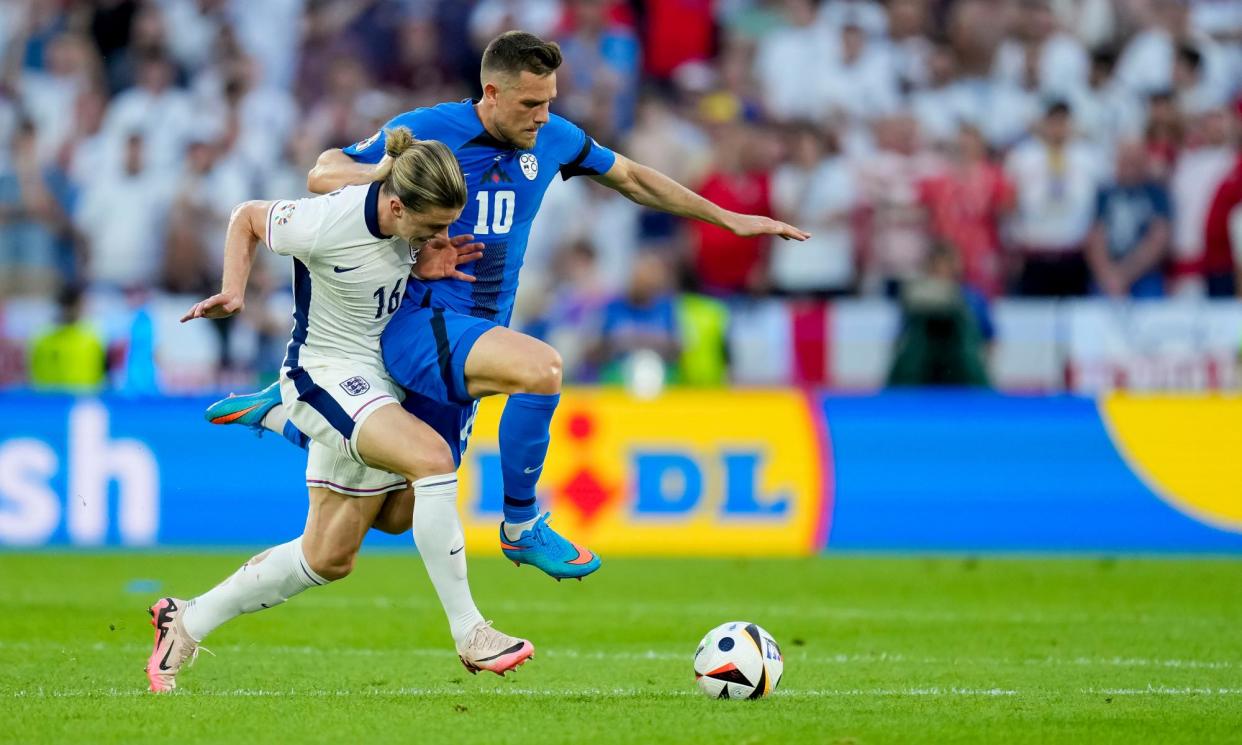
581,155
371,150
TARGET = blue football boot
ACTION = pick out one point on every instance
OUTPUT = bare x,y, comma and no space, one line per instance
543,547
248,408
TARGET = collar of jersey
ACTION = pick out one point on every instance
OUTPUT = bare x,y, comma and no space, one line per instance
370,209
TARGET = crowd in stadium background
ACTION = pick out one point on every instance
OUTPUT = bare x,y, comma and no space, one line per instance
1005,148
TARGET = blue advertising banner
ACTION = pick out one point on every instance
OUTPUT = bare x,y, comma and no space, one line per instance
729,473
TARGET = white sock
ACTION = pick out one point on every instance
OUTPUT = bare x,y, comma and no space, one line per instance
513,531
267,580
275,419
437,532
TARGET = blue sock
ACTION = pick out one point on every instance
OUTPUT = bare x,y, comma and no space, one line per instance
524,441
294,435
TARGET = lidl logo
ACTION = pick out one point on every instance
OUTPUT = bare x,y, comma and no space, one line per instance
1186,449
688,473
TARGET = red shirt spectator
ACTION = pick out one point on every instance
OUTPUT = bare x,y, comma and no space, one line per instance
1218,267
677,31
724,262
966,204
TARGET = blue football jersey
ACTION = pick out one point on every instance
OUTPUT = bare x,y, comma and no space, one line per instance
506,186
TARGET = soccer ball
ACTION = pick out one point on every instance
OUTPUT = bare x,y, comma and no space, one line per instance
738,660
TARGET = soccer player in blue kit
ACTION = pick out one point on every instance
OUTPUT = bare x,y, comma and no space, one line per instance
448,344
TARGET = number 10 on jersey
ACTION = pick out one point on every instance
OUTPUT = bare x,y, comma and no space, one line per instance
500,206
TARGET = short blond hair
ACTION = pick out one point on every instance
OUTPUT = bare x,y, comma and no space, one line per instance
423,174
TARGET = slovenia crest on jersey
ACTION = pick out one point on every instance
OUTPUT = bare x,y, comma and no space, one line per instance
530,165
368,141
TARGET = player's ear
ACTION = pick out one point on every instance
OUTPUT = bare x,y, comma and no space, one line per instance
396,207
489,91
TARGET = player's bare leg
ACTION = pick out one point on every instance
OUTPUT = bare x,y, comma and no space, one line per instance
393,440
325,552
529,371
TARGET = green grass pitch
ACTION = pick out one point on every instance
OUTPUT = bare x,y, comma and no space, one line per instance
877,650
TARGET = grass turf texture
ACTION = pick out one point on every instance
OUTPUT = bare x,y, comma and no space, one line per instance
877,650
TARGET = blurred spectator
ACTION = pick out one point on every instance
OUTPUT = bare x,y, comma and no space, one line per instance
859,80
1105,111
908,47
598,84
966,204
815,191
1222,236
122,214
867,15
159,113
789,64
934,105
1130,236
70,355
1148,61
894,238
212,185
573,299
47,94
1092,21
1164,135
675,33
642,319
37,239
703,324
725,263
944,328
1056,179
337,118
1199,171
1040,56
490,18
12,356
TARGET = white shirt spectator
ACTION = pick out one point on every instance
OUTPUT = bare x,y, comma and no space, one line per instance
866,14
1092,21
1055,195
1146,65
1062,66
790,67
191,32
123,217
271,32
164,120
1105,116
1196,177
1003,112
865,89
46,99
819,201
491,17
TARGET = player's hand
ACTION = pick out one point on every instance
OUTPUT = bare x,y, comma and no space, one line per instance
439,258
216,306
752,225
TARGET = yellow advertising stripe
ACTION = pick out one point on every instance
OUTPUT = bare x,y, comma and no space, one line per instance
1187,449
708,473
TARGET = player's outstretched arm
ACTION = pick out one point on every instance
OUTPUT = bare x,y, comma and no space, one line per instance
334,169
245,229
653,189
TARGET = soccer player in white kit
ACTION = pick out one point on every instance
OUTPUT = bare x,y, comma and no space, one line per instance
352,252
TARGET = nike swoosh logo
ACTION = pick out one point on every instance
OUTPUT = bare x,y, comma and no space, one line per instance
456,550
340,270
164,662
531,470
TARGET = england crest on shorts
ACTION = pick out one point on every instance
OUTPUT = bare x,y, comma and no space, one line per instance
356,386
530,165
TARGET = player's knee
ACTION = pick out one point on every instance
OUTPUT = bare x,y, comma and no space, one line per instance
543,375
429,456
332,565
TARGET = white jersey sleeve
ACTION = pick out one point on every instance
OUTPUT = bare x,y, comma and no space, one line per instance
294,226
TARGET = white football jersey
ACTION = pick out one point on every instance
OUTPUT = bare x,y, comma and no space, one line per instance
348,277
